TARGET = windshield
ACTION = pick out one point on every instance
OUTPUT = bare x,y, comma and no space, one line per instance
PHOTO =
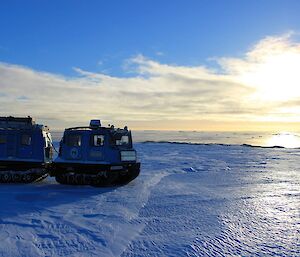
121,139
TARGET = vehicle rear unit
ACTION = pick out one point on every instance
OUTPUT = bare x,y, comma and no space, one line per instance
96,155
25,150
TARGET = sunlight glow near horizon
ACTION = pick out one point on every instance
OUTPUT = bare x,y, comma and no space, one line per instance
284,139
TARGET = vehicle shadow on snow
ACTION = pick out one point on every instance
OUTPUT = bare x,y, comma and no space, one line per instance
18,199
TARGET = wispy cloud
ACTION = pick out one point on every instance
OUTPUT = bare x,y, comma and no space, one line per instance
159,91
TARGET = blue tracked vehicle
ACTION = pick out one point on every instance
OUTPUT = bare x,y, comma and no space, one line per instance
96,155
25,150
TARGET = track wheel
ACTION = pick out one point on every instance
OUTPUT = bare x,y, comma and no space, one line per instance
87,180
27,178
79,179
16,178
6,178
71,179
60,178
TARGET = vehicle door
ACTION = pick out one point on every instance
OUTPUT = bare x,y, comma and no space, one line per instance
97,149
11,145
25,146
73,143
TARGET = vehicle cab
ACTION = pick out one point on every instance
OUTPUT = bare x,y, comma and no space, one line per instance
25,148
95,151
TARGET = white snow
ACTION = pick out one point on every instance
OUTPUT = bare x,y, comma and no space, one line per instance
190,200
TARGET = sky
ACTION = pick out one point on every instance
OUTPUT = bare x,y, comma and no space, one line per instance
220,65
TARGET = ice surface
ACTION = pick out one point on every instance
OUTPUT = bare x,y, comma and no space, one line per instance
190,200
263,139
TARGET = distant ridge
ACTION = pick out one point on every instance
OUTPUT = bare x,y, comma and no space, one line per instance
212,144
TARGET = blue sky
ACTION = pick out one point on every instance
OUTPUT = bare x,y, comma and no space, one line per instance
206,64
55,36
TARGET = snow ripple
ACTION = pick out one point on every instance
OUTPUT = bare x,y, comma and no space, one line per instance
190,200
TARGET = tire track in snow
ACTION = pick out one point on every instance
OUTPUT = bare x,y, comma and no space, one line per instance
103,225
126,224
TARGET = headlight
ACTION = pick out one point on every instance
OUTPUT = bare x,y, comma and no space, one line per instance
128,156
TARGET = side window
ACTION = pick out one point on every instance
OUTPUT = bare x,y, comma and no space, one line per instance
98,140
26,139
73,140
123,141
2,139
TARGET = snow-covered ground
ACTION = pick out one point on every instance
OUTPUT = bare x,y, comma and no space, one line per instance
190,200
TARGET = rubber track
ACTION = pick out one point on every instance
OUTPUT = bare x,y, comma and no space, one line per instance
25,177
103,179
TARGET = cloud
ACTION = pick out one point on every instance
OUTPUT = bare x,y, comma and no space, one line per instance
23,98
270,67
159,91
